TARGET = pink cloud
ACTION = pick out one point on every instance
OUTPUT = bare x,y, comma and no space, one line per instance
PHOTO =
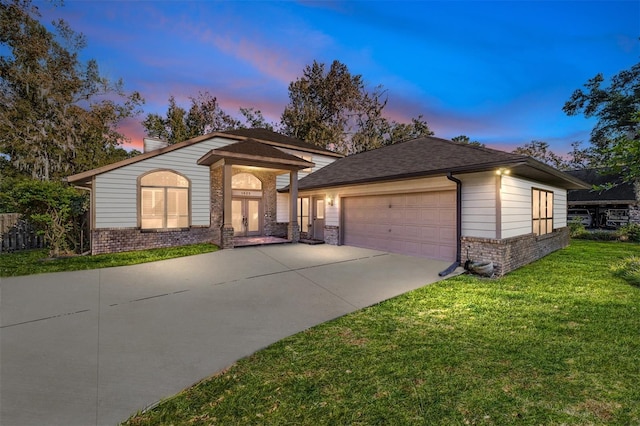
272,62
134,131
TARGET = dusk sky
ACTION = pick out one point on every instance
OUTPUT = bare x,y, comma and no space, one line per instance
498,72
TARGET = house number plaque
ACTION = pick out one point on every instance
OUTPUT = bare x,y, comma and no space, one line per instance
241,193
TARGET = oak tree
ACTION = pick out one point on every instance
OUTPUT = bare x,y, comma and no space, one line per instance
615,138
58,115
332,108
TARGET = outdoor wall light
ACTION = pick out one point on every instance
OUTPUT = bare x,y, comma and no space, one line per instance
330,201
503,171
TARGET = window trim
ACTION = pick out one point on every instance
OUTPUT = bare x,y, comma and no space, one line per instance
164,218
543,214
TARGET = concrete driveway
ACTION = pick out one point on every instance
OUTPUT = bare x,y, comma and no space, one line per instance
94,347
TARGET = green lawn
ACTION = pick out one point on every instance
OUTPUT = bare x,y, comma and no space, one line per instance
554,343
37,262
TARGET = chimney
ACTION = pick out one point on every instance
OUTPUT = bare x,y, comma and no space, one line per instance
151,144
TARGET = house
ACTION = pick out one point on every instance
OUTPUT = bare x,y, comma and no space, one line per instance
608,208
427,197
209,188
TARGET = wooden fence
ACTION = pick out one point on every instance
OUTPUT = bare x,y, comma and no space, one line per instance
17,234
7,220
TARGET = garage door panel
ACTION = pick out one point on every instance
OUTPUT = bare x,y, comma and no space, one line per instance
429,216
414,200
447,236
430,234
412,216
421,224
398,201
447,252
396,215
447,199
429,199
447,217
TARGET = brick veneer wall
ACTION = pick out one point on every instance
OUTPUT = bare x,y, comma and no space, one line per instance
278,229
332,235
511,253
217,204
114,240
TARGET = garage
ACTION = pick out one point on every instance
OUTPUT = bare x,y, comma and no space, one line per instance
418,224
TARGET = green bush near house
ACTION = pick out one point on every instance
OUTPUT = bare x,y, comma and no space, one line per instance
630,232
577,229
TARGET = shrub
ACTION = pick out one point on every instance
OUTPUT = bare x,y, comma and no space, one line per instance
597,235
577,229
630,232
54,209
628,269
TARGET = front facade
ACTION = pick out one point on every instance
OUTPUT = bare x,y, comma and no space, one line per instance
167,196
428,198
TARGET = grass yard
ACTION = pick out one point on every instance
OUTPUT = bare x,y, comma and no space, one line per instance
37,262
554,343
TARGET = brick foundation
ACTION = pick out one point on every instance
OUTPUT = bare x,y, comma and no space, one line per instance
511,253
227,237
332,235
278,229
293,232
114,240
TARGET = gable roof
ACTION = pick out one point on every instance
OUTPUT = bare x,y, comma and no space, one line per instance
621,193
254,153
278,139
261,135
430,156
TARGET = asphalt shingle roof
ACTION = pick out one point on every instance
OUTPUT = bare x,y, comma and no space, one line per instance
417,157
621,192
270,136
253,148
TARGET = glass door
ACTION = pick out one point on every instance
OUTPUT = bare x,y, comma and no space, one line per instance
245,216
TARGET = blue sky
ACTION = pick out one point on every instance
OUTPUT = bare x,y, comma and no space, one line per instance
498,72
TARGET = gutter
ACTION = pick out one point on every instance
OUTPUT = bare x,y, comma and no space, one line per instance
455,264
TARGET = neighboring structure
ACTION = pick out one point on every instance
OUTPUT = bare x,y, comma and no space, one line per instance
427,197
610,208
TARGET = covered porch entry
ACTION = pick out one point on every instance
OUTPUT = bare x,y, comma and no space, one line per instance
243,191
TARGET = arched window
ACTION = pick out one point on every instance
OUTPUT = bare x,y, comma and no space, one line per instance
245,181
164,200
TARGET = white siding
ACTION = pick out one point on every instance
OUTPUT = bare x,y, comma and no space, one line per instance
559,209
282,204
282,181
515,197
479,205
516,205
116,190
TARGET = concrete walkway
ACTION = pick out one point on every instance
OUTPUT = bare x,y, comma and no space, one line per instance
94,347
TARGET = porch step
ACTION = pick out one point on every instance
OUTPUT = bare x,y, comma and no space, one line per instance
258,241
311,242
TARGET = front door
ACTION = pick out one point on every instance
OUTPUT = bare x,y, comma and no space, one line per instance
245,216
318,219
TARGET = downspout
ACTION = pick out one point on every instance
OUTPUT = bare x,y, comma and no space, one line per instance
455,264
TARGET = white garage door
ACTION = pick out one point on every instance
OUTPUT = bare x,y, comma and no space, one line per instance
421,224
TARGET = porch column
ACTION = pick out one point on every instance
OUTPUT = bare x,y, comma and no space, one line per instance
293,230
227,196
